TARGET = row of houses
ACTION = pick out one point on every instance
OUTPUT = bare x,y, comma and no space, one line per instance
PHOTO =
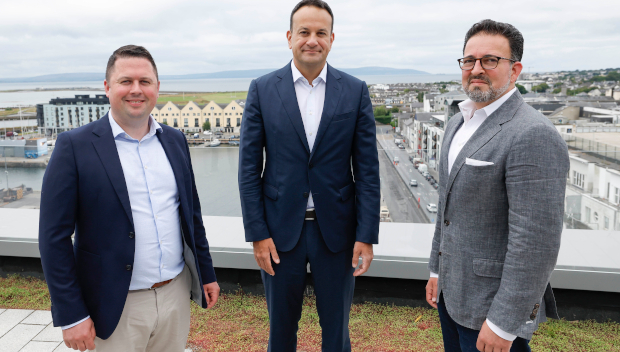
63,114
192,116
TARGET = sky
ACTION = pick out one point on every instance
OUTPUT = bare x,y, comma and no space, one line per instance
186,36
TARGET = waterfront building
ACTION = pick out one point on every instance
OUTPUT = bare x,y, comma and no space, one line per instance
63,114
190,118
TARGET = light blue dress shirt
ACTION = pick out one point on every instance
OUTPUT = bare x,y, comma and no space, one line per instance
154,199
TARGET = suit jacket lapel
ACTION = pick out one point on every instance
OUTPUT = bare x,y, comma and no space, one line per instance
489,128
286,90
108,154
176,162
333,91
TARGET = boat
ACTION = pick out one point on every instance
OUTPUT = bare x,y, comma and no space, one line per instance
215,143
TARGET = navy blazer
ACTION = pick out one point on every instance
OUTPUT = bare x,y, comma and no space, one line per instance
84,191
342,170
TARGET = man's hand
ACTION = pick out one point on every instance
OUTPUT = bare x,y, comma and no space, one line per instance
212,293
431,292
488,341
264,251
363,250
80,337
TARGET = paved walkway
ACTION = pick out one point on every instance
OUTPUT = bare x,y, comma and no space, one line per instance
23,330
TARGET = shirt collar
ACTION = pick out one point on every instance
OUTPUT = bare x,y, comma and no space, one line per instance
468,108
297,75
117,130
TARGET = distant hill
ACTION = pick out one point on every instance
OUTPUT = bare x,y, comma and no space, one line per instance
89,76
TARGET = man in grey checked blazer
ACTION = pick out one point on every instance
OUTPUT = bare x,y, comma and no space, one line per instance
502,180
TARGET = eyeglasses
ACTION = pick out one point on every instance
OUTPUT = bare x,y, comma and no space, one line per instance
488,62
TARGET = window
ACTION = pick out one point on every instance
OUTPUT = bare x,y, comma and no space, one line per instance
217,122
617,196
587,217
196,123
228,122
595,217
165,121
233,108
212,108
606,223
191,108
238,122
185,123
169,109
578,179
209,114
176,124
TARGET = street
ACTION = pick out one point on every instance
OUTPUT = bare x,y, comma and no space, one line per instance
395,180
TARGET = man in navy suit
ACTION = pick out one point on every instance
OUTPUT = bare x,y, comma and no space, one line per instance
316,198
124,185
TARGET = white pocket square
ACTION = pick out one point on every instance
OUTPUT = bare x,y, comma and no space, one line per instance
474,162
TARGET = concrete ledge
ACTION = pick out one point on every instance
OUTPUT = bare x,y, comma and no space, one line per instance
588,259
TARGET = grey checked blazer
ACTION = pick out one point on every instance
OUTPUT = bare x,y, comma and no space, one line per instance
498,227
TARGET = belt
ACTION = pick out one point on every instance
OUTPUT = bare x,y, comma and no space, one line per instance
310,214
160,284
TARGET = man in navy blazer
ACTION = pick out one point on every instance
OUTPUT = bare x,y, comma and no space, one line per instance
124,185
316,198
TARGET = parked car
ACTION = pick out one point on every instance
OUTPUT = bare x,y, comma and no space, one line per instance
425,173
410,158
431,207
413,183
233,143
396,159
400,146
436,185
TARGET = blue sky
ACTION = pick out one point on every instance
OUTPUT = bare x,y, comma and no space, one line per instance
46,37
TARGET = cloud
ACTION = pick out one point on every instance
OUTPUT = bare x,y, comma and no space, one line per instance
41,37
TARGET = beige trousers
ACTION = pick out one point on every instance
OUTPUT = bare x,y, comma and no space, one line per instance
153,320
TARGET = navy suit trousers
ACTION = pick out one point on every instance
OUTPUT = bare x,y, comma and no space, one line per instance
334,283
457,338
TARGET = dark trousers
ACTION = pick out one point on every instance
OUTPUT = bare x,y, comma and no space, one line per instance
332,274
457,338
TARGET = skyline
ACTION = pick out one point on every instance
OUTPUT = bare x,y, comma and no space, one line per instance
189,37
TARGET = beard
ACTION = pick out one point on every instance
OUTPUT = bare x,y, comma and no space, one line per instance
477,95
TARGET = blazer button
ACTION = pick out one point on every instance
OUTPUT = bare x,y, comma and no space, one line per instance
132,235
532,316
537,306
306,195
128,267
439,253
446,222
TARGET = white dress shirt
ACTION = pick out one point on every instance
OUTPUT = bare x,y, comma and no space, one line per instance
154,199
310,99
472,120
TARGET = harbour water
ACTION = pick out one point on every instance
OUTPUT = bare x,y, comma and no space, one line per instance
29,96
215,170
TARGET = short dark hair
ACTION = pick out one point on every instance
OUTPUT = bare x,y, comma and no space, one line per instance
515,38
316,3
129,51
